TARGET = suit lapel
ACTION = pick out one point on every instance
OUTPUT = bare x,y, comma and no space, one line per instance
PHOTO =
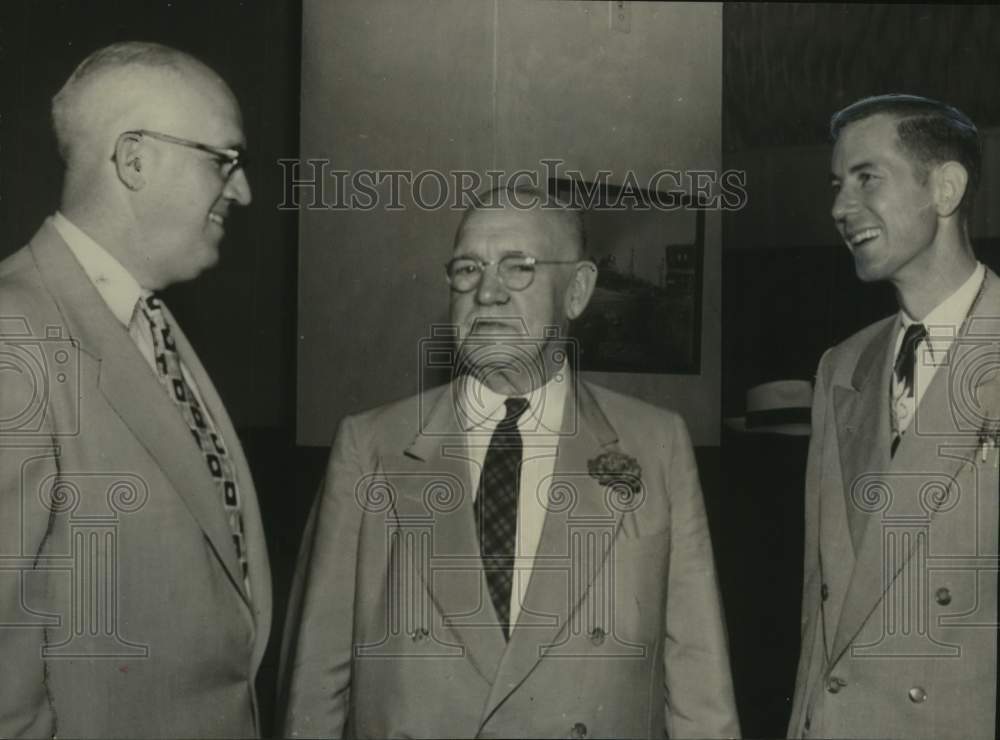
132,389
440,453
568,559
863,427
257,560
919,460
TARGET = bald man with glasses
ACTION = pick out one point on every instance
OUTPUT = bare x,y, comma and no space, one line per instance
517,553
135,593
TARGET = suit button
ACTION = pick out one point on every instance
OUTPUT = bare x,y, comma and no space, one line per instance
943,596
824,592
917,695
597,636
835,684
579,730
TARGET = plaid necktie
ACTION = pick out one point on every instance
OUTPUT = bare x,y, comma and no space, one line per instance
904,402
496,508
208,439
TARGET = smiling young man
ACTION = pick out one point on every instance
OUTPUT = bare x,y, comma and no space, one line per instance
517,553
899,601
135,595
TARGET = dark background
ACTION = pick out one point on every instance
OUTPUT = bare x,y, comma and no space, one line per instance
788,285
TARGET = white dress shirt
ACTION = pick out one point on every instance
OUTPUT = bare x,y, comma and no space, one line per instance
120,291
942,324
540,425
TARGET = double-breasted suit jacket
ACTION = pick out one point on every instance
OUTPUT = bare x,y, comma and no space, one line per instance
900,588
393,632
122,606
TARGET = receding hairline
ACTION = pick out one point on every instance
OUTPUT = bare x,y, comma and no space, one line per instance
122,77
528,200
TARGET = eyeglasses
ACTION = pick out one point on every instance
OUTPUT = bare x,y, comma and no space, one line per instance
516,271
230,159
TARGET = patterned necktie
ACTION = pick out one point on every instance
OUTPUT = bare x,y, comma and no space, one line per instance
208,439
496,508
903,401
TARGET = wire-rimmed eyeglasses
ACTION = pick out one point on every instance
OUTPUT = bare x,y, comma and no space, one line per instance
516,271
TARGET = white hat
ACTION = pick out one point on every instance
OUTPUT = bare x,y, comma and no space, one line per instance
778,407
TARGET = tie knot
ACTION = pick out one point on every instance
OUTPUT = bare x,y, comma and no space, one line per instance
914,335
515,407
906,361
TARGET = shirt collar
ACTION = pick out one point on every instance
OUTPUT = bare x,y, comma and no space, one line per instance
483,408
944,321
115,284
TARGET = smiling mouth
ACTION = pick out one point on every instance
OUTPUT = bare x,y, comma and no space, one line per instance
859,238
216,218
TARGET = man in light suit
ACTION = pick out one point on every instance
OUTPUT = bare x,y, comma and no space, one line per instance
135,592
899,603
517,553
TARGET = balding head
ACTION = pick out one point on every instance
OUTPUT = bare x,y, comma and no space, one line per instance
562,217
117,88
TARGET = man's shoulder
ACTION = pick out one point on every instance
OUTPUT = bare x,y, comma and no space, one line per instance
851,348
23,293
627,412
401,419
625,404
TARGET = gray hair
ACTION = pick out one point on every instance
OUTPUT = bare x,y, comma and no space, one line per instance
524,197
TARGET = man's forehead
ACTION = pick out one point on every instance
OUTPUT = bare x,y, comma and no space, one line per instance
511,229
870,140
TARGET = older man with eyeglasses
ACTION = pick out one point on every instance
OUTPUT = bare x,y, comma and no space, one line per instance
135,594
518,553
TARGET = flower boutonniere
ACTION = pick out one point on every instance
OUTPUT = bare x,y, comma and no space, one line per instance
616,470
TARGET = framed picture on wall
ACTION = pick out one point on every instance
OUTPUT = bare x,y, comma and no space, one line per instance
645,315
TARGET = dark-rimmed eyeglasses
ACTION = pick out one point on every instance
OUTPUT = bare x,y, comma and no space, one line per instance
516,271
230,159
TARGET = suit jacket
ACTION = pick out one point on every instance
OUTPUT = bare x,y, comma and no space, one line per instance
122,606
392,632
899,602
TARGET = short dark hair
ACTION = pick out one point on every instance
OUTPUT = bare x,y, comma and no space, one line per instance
930,132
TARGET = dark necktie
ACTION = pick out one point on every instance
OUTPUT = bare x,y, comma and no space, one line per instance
206,436
905,369
496,508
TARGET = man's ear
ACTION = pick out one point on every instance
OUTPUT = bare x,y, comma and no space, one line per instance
581,288
950,180
128,161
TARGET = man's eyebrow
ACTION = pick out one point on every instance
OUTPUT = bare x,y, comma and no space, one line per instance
854,168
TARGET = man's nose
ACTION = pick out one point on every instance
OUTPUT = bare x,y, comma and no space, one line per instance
844,203
491,288
238,188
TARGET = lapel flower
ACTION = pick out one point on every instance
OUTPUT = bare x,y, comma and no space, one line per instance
616,469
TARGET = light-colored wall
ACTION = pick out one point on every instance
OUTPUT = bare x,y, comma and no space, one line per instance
450,84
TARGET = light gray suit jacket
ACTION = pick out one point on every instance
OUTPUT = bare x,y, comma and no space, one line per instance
122,607
392,632
899,603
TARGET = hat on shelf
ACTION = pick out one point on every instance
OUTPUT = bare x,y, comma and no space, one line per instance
778,407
